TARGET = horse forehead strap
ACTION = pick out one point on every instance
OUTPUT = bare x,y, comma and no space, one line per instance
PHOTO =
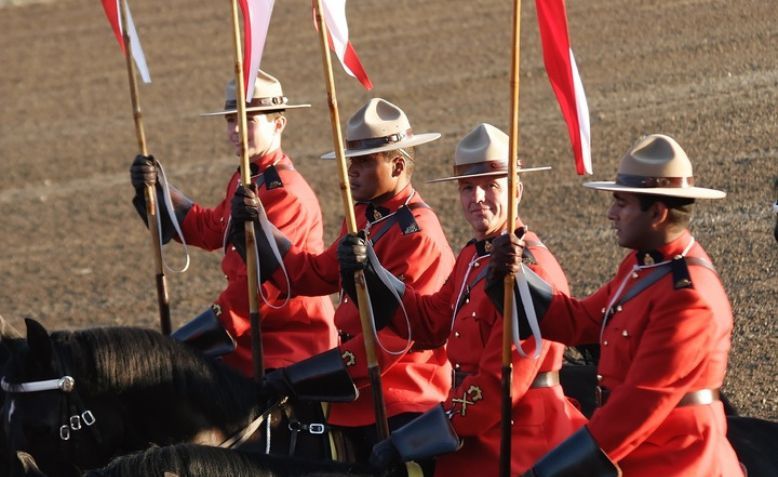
65,384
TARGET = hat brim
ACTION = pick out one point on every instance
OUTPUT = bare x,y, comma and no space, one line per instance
485,174
274,107
415,140
681,192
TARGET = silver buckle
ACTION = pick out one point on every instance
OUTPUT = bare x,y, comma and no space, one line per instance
75,422
88,417
64,433
316,428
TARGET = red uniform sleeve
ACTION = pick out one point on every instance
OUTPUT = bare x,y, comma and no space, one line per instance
204,227
668,360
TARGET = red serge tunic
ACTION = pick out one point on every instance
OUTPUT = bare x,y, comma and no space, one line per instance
542,416
304,326
655,348
417,253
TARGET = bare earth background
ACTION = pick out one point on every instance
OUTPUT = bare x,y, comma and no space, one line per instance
74,254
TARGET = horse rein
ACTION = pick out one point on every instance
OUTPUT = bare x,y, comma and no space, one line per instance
67,385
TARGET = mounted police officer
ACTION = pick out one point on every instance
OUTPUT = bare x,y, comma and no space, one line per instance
292,329
461,316
408,241
663,324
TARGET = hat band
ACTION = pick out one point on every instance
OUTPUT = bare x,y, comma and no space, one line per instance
481,168
648,182
270,101
374,142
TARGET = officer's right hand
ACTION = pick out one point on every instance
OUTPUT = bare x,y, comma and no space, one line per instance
507,250
143,172
245,205
352,253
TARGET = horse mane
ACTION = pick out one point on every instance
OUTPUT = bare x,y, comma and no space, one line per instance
126,360
190,460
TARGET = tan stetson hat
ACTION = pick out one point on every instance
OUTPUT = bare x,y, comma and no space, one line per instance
377,127
483,152
657,165
267,96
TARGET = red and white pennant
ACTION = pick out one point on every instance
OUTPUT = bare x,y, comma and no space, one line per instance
112,11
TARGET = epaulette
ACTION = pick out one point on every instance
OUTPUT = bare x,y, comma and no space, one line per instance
681,276
407,221
272,179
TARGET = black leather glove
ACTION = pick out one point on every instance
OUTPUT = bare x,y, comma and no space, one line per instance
353,256
507,250
245,205
143,172
352,253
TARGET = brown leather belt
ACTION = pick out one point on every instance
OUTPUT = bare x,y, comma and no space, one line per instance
545,380
701,397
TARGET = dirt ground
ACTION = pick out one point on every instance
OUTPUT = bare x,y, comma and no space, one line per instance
74,254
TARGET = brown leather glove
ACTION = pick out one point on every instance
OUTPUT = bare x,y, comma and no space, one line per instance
507,250
244,205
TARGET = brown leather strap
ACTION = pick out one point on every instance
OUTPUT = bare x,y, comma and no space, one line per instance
545,380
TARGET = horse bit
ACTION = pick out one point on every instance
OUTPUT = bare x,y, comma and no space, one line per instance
66,384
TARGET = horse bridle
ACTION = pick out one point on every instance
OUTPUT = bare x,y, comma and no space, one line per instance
65,384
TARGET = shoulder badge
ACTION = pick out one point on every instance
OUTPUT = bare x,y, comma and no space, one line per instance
680,270
407,221
272,178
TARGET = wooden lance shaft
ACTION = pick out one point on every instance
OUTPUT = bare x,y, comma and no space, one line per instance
150,193
363,298
257,355
507,329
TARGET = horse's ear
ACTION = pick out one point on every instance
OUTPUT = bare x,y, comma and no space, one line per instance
170,474
39,341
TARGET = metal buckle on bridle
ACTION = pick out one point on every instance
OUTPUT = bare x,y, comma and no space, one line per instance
315,428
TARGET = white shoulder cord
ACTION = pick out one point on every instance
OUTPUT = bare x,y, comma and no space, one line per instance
623,284
171,213
473,262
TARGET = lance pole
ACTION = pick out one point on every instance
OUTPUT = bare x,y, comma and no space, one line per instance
363,298
257,357
507,329
149,192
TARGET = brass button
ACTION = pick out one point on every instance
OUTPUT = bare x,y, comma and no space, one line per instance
599,378
345,300
635,274
605,343
473,315
625,333
619,308
456,334
476,265
603,311
457,366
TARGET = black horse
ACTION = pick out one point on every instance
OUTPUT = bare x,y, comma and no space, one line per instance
191,460
114,391
9,337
